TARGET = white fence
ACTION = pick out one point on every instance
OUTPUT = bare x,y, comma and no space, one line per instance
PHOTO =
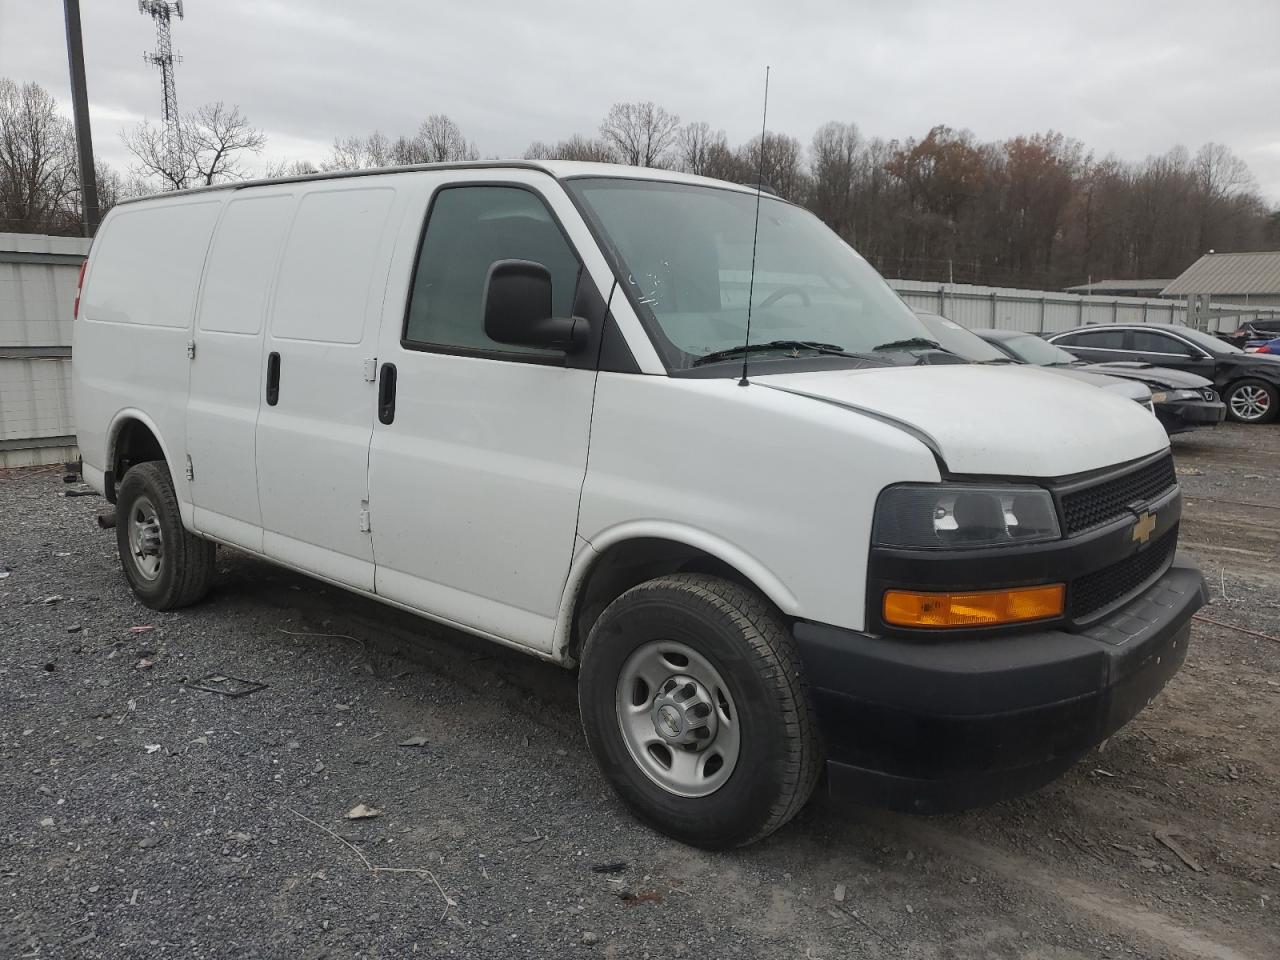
1042,311
37,291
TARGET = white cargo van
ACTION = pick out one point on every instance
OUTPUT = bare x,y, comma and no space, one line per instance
510,397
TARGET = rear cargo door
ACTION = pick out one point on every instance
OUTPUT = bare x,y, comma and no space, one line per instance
226,369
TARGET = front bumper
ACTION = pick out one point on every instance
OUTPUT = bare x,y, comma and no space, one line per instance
1179,415
937,726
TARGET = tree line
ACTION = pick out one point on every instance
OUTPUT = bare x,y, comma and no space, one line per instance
1038,211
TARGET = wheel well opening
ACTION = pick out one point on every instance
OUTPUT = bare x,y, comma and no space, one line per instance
632,562
134,444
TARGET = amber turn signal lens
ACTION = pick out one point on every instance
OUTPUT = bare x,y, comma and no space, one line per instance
907,608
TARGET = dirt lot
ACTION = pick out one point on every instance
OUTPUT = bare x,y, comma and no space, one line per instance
144,819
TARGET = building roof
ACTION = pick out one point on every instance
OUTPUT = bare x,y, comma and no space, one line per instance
1121,286
1230,273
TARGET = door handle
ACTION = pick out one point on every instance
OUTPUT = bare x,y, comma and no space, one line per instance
387,393
273,378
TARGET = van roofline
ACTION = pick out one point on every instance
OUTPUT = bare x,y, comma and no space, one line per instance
559,170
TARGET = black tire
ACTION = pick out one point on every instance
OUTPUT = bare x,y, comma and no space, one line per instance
749,645
1235,397
185,563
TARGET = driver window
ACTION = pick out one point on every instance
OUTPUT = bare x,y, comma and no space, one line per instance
468,230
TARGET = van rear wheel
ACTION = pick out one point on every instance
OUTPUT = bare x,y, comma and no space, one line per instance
166,566
695,708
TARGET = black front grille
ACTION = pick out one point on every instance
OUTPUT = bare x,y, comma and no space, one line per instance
1100,589
1093,506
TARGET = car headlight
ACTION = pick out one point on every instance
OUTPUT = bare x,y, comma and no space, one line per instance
1160,397
1185,395
956,515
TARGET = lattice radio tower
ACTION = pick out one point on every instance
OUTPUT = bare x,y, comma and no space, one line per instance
164,58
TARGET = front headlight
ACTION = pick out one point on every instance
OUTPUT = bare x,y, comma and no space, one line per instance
956,515
1185,395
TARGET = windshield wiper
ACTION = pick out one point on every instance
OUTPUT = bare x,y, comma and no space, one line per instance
831,349
909,342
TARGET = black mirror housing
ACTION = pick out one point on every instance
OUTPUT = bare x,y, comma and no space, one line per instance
517,309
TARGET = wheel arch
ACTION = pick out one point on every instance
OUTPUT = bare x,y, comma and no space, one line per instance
624,556
133,437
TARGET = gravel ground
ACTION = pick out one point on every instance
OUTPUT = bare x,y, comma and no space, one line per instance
142,818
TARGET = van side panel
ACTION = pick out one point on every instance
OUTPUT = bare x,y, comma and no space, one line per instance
226,374
130,341
715,465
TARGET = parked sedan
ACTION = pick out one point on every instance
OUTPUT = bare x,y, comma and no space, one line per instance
1182,400
959,341
1249,383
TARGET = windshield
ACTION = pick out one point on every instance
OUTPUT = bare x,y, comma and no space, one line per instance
1031,349
1208,342
686,251
951,336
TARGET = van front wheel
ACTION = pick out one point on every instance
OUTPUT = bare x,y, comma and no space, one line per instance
166,566
695,709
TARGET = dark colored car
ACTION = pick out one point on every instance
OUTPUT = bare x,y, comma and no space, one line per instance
1182,400
1249,383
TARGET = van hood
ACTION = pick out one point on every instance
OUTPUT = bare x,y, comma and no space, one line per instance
1010,420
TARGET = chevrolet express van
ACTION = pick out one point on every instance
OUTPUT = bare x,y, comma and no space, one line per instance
521,399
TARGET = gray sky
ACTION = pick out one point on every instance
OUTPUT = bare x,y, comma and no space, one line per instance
1133,77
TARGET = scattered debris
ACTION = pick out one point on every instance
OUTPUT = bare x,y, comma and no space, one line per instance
1101,772
47,822
144,663
151,747
225,686
107,521
415,741
133,900
839,893
143,628
4,574
146,843
589,938
79,493
632,897
420,871
616,867
1167,838
362,812
56,598
74,628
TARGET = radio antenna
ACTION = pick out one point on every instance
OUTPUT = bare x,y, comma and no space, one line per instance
755,231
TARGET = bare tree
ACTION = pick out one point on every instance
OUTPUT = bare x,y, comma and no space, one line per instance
640,133
215,139
276,169
38,179
782,166
577,147
698,147
441,141
836,161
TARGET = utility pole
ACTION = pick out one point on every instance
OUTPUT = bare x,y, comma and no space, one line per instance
164,58
80,108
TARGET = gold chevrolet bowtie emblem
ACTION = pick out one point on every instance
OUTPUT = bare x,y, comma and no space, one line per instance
1145,526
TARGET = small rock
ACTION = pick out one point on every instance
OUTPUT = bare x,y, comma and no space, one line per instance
910,908
342,706
416,741
362,812
56,598
152,747
74,628
146,843
94,888
47,822
839,893
589,938
293,745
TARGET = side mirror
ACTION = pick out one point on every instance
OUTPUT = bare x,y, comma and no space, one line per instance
517,309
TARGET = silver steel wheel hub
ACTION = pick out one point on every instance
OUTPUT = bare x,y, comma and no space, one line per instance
678,719
146,542
684,714
1250,402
